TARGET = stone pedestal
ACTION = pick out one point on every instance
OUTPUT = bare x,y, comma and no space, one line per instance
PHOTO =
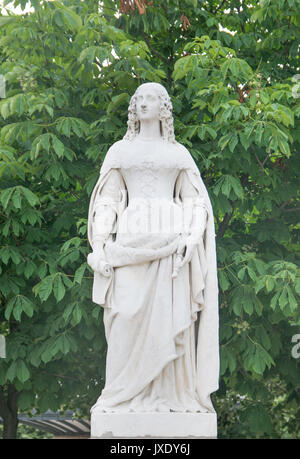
153,425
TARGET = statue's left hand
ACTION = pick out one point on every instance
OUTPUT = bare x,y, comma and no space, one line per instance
188,247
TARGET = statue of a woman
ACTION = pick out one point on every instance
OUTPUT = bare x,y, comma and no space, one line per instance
152,232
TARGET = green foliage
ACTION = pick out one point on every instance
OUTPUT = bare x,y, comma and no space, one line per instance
28,432
70,70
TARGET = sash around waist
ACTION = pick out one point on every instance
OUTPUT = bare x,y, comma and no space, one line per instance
140,249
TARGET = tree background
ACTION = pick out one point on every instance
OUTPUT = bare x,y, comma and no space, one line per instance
70,69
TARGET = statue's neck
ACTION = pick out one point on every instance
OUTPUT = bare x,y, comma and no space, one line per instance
150,129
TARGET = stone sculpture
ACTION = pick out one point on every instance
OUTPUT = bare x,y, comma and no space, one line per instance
151,229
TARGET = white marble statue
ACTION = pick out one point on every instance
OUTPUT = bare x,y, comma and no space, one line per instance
152,233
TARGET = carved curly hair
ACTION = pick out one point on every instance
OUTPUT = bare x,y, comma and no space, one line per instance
165,114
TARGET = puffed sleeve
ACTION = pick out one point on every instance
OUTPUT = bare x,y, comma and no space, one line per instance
188,191
193,203
106,206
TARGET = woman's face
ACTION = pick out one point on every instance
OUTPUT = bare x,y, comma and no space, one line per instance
147,104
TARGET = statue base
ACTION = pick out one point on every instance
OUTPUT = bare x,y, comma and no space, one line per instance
153,425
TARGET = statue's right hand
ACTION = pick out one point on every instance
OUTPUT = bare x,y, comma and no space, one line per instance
93,260
96,256
96,260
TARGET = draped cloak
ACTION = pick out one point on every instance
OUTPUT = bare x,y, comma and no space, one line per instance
199,275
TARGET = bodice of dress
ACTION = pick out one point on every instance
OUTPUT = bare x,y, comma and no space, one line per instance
149,171
149,180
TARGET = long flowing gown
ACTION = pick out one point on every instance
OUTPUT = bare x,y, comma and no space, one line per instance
162,354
